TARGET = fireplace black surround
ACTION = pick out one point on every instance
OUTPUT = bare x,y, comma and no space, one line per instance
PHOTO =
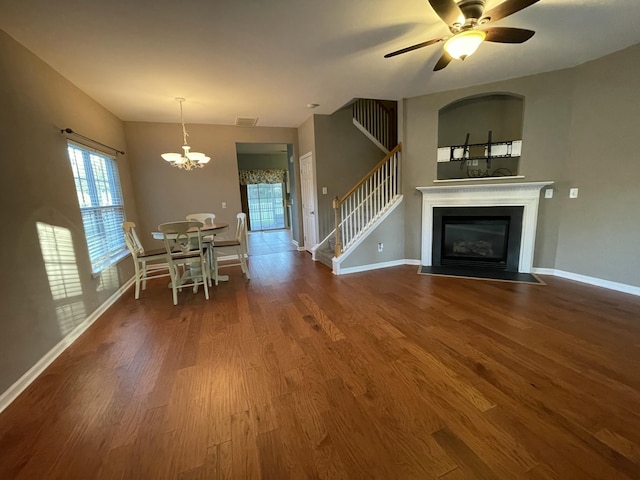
477,237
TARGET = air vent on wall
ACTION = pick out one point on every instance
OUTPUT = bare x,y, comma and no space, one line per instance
246,121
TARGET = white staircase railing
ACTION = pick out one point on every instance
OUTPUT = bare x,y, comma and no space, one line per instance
378,120
366,201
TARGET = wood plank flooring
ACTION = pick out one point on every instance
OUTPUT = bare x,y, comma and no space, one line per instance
300,374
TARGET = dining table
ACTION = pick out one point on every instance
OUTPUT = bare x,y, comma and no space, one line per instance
205,231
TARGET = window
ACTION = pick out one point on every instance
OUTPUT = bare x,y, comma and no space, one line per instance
100,199
266,206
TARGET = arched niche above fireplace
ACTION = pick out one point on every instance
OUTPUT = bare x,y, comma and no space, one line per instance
480,137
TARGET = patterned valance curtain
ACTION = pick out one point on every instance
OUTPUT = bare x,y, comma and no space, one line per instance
249,177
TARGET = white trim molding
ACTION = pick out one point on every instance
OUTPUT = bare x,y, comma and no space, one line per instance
376,266
526,194
598,282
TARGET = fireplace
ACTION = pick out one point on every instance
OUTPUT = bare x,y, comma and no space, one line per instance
477,237
524,196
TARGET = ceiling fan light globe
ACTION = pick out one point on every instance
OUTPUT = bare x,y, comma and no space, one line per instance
464,44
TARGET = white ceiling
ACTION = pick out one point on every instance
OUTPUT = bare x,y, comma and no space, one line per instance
254,58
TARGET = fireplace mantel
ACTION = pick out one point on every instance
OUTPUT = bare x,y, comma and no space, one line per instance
526,194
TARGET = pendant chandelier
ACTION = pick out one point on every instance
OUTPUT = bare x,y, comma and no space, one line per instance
186,160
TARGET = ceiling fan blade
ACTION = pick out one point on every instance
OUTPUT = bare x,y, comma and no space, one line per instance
413,47
447,10
444,60
508,35
506,8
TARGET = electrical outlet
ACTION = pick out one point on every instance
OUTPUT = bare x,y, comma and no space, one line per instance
224,204
548,193
573,193
380,247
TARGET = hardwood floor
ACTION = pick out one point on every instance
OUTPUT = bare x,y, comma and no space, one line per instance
270,241
380,375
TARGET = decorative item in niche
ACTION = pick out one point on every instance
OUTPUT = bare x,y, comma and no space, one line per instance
480,155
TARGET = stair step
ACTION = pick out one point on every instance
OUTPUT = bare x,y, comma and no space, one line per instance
325,256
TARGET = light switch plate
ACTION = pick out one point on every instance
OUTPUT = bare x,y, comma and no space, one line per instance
573,193
548,193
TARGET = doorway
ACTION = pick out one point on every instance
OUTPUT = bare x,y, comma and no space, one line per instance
308,194
268,189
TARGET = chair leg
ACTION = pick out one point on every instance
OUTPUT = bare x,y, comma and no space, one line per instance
173,270
216,268
144,275
210,264
243,264
137,274
205,277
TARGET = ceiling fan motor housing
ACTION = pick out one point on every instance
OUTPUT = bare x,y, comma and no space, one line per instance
472,10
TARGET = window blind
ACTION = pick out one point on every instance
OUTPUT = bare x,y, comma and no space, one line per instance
101,204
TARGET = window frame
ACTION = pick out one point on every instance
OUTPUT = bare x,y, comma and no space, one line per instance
98,189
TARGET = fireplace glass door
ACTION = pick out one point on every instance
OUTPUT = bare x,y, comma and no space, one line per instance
474,241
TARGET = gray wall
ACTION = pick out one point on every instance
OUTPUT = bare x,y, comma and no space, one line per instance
599,231
38,186
390,233
166,193
343,155
252,161
577,131
502,114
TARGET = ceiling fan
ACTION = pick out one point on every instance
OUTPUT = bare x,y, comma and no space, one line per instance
466,20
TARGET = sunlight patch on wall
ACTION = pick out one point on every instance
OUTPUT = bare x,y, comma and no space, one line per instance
109,279
60,264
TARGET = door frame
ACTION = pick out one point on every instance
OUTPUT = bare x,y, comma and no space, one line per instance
308,246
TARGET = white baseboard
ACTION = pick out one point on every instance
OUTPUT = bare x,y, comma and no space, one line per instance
30,375
598,282
375,266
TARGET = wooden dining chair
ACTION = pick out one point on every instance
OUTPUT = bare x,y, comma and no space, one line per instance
206,219
145,263
186,255
238,246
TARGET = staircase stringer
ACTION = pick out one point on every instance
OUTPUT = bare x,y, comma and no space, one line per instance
368,134
362,236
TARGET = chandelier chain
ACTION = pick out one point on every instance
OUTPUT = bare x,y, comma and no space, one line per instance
184,128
